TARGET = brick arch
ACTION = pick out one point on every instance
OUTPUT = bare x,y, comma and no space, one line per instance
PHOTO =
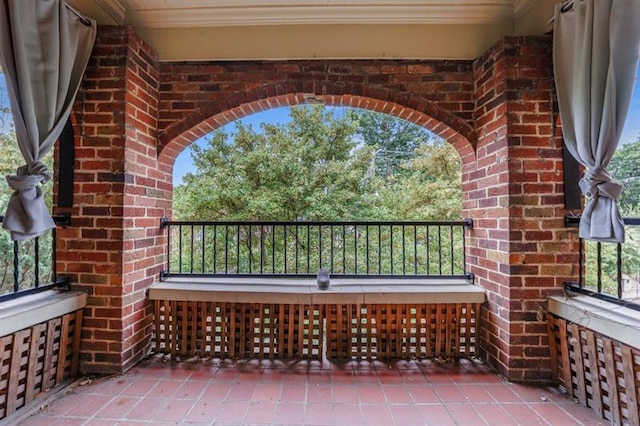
180,135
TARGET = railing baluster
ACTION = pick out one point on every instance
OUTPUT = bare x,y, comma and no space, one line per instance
238,249
36,266
16,267
451,244
404,260
415,249
54,258
331,247
297,248
464,251
191,249
204,245
273,249
284,238
379,250
355,249
180,248
619,264
250,249
439,249
599,261
261,249
215,248
226,249
308,249
366,230
319,246
344,249
391,242
428,252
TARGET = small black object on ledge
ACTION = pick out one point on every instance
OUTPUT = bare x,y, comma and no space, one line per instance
323,280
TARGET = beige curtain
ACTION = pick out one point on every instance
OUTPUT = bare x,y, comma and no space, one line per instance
45,49
596,48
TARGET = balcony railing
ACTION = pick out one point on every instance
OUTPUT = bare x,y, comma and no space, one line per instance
28,267
301,249
610,271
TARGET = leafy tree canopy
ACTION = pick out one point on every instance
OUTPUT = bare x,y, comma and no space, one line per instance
322,166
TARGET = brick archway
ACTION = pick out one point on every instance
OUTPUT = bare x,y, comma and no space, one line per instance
458,137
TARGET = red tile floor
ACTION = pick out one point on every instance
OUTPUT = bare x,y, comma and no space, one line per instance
159,392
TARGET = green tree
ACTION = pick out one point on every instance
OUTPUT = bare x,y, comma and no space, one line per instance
311,168
625,168
395,140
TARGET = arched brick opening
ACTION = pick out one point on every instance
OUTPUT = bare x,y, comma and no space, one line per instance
458,137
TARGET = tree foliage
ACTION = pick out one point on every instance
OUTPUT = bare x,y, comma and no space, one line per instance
322,166
625,168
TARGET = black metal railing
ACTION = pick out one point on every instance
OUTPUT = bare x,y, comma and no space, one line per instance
300,249
28,266
610,271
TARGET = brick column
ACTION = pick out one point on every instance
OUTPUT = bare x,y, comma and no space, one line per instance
520,250
113,249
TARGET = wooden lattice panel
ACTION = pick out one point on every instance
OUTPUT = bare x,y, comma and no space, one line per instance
36,359
246,330
600,373
367,331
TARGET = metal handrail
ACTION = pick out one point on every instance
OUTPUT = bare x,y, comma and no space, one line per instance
37,285
300,248
598,288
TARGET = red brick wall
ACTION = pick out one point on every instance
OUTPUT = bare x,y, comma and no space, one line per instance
134,116
520,250
113,249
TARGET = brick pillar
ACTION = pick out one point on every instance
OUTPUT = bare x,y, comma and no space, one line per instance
520,250
113,249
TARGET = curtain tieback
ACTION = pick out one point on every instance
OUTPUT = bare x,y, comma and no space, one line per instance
597,183
37,168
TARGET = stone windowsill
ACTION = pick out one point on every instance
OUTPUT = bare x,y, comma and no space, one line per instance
613,321
27,311
305,291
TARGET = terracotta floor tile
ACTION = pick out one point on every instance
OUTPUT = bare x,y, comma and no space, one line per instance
232,412
174,410
475,393
494,414
118,407
318,414
523,414
146,406
406,415
293,393
165,389
449,393
376,415
140,387
370,394
289,413
318,393
435,414
203,412
502,393
466,414
392,377
423,394
69,421
89,406
267,392
190,390
345,394
347,414
553,414
242,390
261,412
215,391
397,394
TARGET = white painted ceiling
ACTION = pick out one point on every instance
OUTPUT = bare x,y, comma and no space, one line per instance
172,27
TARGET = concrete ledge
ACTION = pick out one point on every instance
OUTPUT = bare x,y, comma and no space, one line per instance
305,291
613,321
27,311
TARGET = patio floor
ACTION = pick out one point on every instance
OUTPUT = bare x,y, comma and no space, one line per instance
160,392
